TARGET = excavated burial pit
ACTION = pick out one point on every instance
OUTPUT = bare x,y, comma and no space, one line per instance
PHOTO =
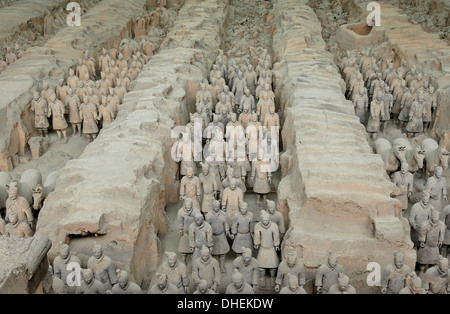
347,40
169,241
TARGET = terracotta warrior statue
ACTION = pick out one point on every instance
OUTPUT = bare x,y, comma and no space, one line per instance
214,127
200,234
60,265
140,26
185,153
376,108
232,195
233,72
103,267
292,287
40,108
409,96
81,90
430,107
277,218
253,133
121,63
398,95
206,267
234,171
56,110
88,114
113,100
10,57
81,70
220,82
361,105
202,111
404,181
215,148
238,163
105,113
446,243
395,275
220,231
72,80
104,82
90,63
190,187
104,60
46,92
87,80
267,240
239,87
16,228
18,204
262,108
242,229
186,217
224,116
73,104
124,286
414,286
290,266
90,285
374,85
272,120
223,104
327,274
93,98
251,79
261,170
201,93
232,129
260,88
342,286
238,284
437,187
176,273
99,90
437,278
245,117
431,236
248,266
163,285
209,186
416,114
202,288
420,212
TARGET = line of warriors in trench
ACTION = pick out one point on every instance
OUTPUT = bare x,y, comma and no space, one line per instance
214,209
86,101
9,56
379,93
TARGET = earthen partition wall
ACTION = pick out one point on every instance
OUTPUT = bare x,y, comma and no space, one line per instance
336,191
